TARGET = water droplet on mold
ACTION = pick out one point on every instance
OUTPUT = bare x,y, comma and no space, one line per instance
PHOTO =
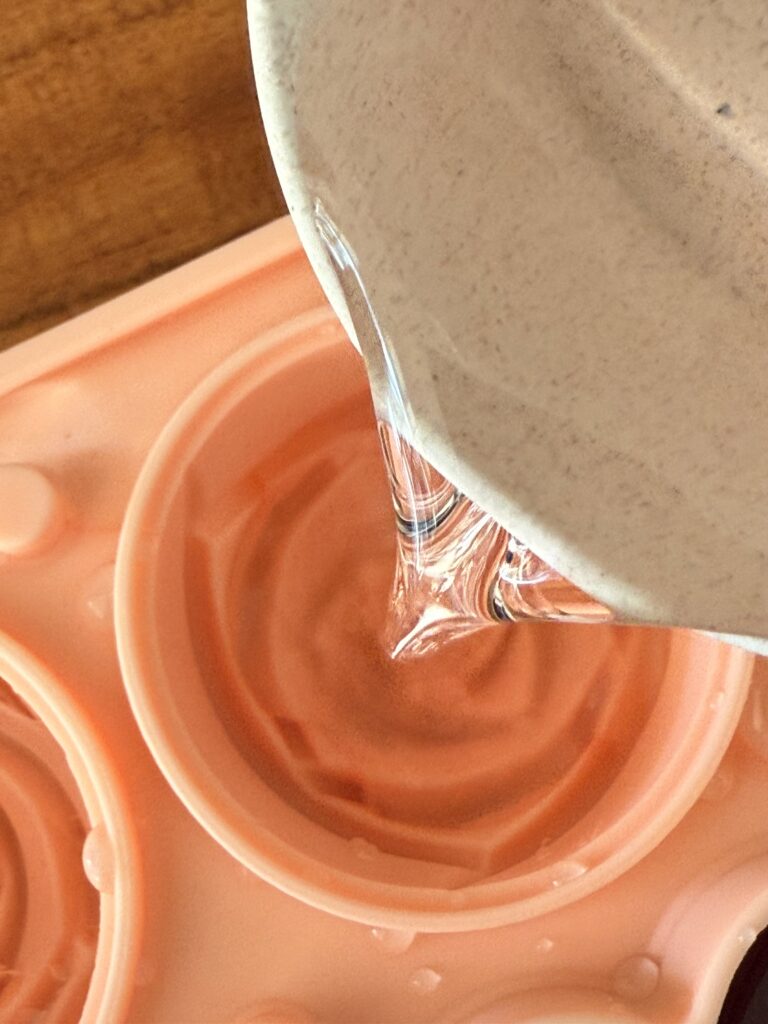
393,940
545,945
636,978
567,871
98,593
98,859
717,701
747,936
425,980
363,849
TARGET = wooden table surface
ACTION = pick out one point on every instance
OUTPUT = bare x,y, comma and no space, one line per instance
130,141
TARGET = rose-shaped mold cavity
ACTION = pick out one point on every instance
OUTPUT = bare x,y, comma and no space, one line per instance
66,939
509,774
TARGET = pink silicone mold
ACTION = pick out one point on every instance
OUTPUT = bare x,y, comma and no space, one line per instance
221,802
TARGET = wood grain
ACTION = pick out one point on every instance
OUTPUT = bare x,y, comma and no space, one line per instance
130,141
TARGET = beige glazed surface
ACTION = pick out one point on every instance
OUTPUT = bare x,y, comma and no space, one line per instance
558,210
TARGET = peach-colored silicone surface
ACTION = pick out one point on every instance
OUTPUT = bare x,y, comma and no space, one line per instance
221,803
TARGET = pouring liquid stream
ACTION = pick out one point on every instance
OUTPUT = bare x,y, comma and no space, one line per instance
457,569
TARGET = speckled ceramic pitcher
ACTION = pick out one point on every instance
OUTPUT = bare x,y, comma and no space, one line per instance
560,213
